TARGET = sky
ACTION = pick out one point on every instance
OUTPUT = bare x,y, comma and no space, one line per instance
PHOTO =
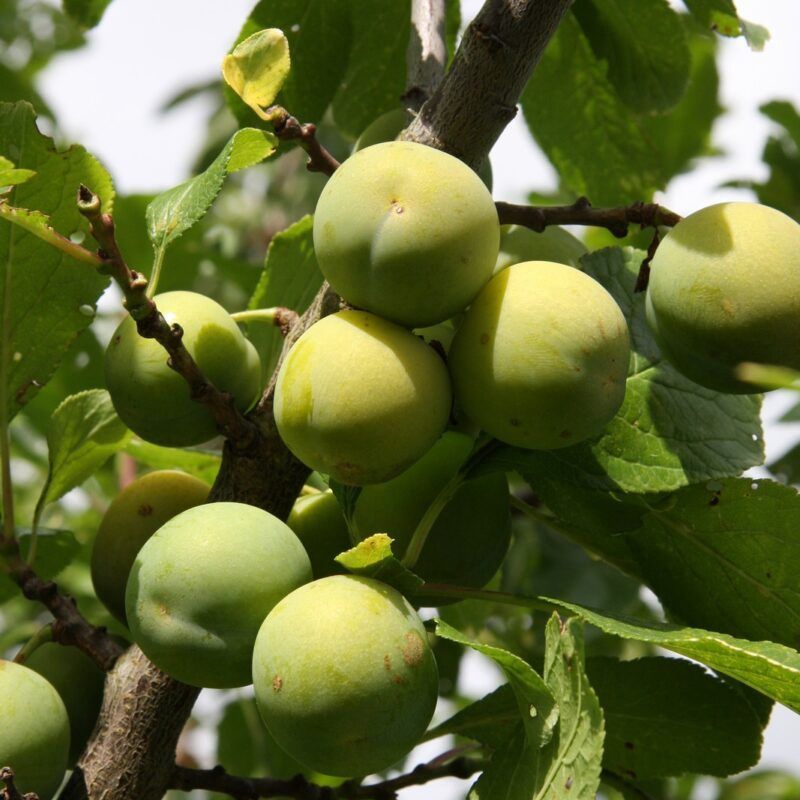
107,96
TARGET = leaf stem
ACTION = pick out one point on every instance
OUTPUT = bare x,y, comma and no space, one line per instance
268,315
42,636
155,273
490,596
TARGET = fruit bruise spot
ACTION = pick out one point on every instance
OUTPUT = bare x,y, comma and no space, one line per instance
398,679
629,745
277,683
414,649
387,663
514,422
727,307
484,338
145,510
565,434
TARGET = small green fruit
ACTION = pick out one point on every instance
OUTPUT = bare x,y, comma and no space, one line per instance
34,734
79,682
407,232
518,244
725,288
541,358
360,398
344,677
318,521
202,585
152,399
133,516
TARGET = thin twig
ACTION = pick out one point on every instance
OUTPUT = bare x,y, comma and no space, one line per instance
426,54
151,324
288,129
11,792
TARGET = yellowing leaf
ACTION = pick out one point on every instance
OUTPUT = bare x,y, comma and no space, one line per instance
257,68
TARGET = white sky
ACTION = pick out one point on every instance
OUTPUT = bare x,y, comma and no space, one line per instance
106,96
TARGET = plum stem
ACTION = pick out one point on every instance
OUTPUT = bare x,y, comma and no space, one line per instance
42,636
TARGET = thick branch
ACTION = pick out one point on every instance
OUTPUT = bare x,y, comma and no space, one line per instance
581,212
151,324
288,129
478,96
426,55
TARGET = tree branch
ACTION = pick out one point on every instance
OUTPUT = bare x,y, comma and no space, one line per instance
11,792
151,324
288,129
452,764
426,55
478,96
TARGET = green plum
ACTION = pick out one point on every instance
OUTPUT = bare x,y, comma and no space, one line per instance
518,244
344,677
725,288
470,537
152,399
387,127
318,522
34,733
541,358
133,516
79,682
360,398
407,232
202,585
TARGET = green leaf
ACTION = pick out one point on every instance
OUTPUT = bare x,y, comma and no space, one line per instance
721,16
787,467
452,26
537,708
376,69
242,743
667,716
87,13
569,765
176,210
291,278
670,432
200,463
593,140
644,44
373,558
54,550
11,176
257,68
51,297
85,432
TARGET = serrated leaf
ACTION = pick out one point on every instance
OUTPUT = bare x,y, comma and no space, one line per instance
257,68
588,133
54,550
50,296
11,176
670,432
373,558
667,716
85,432
176,210
569,765
644,44
87,13
537,708
291,278
202,464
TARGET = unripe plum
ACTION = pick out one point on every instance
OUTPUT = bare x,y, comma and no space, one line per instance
152,399
133,516
387,127
79,682
344,677
541,358
518,244
319,524
407,232
360,398
470,537
725,288
34,734
202,585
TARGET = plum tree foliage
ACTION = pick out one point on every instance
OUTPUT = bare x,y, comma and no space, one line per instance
506,419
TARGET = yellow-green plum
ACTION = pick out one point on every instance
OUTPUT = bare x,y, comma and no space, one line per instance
470,537
133,516
518,244
79,682
407,232
318,521
541,357
344,677
202,585
34,733
387,128
152,399
360,398
725,288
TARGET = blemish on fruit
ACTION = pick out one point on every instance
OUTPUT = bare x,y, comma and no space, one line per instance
414,649
565,434
629,746
277,683
514,422
144,510
387,663
398,679
484,338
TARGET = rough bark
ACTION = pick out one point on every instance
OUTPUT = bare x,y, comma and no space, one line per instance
426,55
